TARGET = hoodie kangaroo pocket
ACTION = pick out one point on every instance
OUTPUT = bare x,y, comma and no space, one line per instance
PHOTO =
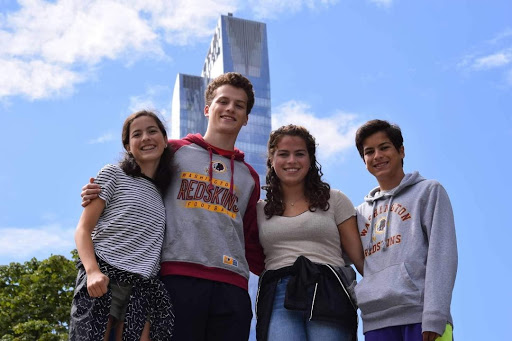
387,288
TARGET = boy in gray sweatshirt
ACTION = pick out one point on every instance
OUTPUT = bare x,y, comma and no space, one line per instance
407,229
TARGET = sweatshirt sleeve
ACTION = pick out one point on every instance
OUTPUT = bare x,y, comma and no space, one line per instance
441,260
253,250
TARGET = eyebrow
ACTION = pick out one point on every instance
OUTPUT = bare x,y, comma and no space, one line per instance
286,150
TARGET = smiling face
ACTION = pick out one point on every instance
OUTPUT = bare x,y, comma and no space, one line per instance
383,160
291,161
227,112
146,141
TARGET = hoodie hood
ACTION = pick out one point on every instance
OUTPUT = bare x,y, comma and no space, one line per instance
375,195
409,179
233,155
199,140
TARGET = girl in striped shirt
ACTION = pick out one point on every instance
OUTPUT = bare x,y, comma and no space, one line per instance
119,238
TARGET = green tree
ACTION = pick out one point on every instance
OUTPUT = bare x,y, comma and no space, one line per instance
35,299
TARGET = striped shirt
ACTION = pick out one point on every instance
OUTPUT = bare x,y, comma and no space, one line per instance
129,233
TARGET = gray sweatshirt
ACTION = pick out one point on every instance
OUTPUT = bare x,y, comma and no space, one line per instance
408,237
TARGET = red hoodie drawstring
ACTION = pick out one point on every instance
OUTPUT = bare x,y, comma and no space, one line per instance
210,169
232,173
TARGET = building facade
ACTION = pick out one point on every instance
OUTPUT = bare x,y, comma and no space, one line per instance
237,45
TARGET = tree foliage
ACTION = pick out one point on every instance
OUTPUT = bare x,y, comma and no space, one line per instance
35,299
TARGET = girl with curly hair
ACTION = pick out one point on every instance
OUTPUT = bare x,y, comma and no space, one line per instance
307,230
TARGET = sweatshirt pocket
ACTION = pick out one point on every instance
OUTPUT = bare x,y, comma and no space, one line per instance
387,288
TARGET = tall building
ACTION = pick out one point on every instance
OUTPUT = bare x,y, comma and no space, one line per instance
238,45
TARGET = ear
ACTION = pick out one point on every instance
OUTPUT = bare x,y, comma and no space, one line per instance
401,151
246,119
207,111
127,147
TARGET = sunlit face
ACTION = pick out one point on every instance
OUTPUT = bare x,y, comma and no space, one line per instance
291,160
146,141
228,111
383,160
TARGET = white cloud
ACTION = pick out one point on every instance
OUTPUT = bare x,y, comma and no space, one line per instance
493,54
272,8
107,137
49,47
35,78
334,134
21,244
494,60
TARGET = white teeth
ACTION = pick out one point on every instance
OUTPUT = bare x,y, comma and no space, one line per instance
148,147
291,169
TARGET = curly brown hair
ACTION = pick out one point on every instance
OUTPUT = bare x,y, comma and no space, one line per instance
234,79
316,191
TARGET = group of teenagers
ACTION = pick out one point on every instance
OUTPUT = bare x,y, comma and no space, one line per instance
167,238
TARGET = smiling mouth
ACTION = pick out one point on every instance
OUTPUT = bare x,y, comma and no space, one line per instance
380,165
291,170
229,118
149,147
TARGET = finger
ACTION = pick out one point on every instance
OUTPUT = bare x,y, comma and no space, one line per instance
91,180
85,202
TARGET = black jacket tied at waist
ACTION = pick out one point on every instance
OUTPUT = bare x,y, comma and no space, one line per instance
332,288
149,300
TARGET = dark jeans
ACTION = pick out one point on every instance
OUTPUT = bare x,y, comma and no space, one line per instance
207,310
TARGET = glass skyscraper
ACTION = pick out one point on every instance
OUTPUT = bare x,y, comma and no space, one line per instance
238,45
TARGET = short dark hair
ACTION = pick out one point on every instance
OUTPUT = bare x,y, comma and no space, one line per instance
234,79
162,177
392,131
315,190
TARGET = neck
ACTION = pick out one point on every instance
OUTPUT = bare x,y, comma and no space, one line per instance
387,184
149,169
293,193
219,140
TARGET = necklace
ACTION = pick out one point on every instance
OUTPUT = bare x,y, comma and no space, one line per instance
295,201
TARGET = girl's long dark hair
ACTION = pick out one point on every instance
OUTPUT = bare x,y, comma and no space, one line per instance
162,176
316,191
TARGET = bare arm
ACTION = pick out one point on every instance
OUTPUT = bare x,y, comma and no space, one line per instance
97,282
90,192
351,243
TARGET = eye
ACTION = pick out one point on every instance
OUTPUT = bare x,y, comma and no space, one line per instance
368,152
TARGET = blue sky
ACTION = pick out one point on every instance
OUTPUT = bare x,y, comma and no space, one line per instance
71,71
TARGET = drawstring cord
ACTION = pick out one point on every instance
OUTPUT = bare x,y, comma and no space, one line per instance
210,171
232,173
210,168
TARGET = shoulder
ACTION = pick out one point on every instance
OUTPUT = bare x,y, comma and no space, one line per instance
110,170
177,144
340,197
260,206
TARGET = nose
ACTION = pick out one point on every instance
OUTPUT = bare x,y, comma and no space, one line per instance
145,136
